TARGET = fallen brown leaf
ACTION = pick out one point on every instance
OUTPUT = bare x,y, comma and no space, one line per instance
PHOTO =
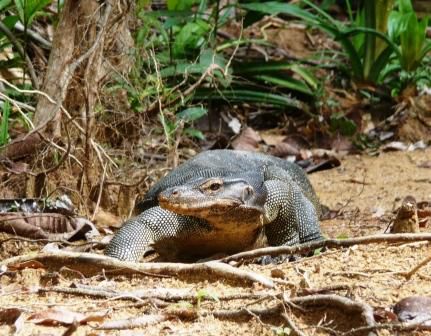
45,225
52,317
271,139
284,149
26,264
9,315
248,140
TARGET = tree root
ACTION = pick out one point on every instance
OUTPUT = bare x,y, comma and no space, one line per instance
329,243
90,263
166,294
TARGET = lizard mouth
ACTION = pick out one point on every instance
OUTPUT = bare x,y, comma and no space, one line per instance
199,208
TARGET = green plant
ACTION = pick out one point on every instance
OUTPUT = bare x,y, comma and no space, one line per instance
181,51
366,63
400,79
4,124
205,294
406,29
342,124
28,9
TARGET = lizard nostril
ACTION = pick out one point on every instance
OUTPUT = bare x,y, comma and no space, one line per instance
175,192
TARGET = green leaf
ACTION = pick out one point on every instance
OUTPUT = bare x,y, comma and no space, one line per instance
289,83
183,69
317,251
10,20
306,75
4,125
28,9
194,133
209,57
205,294
180,5
381,62
191,37
344,125
243,95
4,4
405,6
191,114
273,8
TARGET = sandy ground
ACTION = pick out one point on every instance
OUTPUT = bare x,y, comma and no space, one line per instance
366,189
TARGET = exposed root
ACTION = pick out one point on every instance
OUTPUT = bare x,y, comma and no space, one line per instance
166,294
90,263
329,243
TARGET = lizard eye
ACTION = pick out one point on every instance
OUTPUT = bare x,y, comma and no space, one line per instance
215,186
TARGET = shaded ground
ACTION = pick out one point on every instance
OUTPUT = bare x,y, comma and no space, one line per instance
367,189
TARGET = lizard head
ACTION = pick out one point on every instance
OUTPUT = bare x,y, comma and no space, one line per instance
217,197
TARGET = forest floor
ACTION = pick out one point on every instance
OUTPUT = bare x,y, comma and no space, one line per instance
366,189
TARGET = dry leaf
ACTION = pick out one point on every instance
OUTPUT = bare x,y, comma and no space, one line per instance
9,315
45,225
34,264
248,140
284,149
384,315
52,317
272,139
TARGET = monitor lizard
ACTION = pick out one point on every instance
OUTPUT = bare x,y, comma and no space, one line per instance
221,201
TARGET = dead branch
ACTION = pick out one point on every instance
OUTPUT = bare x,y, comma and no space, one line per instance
34,35
292,325
322,290
90,263
389,326
165,294
328,243
410,273
60,241
336,301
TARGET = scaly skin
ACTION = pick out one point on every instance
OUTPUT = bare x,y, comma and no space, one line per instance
222,202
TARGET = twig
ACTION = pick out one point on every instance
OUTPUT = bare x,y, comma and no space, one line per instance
63,157
190,89
410,273
292,325
5,30
330,288
329,243
47,241
18,106
34,35
90,263
99,196
389,326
